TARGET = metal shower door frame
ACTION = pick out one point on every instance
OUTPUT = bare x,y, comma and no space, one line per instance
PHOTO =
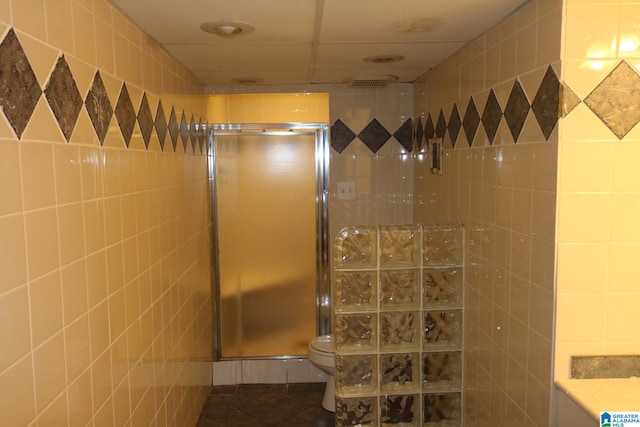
323,282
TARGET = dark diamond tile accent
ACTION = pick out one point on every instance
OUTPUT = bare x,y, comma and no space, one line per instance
125,114
145,120
491,116
471,121
64,97
341,136
614,366
441,127
99,107
374,135
419,134
616,100
569,100
19,88
546,104
428,128
454,125
174,128
184,131
161,125
193,133
517,110
404,135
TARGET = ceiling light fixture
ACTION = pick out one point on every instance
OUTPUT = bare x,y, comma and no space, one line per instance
246,80
227,28
383,59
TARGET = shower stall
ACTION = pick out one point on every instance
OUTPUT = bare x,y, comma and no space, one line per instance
269,192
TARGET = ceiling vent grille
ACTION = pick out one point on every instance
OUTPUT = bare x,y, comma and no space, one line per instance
370,81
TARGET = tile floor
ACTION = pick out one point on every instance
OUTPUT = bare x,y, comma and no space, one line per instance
249,405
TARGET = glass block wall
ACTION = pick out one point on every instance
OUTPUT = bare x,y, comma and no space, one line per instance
398,325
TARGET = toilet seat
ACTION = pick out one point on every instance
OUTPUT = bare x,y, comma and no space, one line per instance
324,344
322,351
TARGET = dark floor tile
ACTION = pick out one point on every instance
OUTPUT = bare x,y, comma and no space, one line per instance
224,389
253,405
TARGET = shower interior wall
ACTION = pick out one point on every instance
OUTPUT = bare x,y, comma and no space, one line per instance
105,309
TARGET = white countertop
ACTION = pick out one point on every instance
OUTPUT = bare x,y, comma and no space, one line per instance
598,395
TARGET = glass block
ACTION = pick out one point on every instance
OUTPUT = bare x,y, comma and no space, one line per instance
442,329
355,247
355,332
356,411
399,288
442,410
442,371
442,245
398,371
443,287
400,410
356,374
399,246
399,330
355,290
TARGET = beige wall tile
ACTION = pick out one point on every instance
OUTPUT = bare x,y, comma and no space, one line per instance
84,34
29,17
575,226
55,413
580,309
77,349
625,175
622,311
11,190
42,241
79,399
38,181
59,24
67,173
17,400
97,278
104,43
13,259
625,208
94,235
71,232
14,328
74,290
45,301
49,370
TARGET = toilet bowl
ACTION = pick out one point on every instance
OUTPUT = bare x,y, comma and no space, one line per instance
322,354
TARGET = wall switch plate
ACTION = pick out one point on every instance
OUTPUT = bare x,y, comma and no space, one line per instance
346,190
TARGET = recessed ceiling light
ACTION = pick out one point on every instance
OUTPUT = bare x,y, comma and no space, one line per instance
227,28
383,59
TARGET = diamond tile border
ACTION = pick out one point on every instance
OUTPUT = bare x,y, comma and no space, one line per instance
546,106
20,93
19,87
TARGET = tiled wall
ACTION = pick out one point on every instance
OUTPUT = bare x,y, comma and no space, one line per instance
599,185
381,168
495,103
398,325
105,313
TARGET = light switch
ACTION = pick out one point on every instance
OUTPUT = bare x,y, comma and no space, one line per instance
346,190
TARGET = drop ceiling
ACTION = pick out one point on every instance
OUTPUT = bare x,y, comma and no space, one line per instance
314,41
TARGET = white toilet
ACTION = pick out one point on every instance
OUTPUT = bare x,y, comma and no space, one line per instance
322,352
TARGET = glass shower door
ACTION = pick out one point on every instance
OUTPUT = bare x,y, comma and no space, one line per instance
267,243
